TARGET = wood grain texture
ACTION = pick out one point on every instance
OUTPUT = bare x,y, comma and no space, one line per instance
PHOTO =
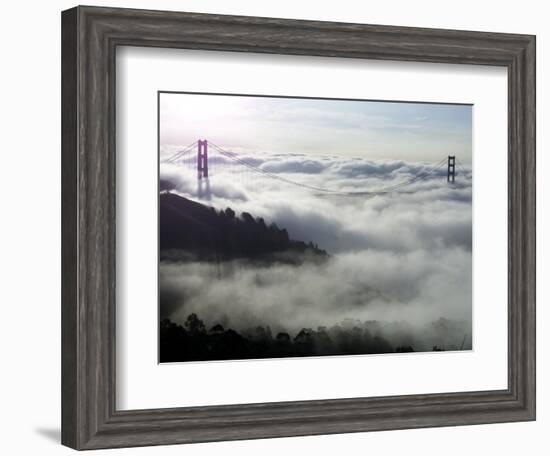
69,175
89,39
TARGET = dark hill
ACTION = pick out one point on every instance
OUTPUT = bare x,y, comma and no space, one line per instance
188,228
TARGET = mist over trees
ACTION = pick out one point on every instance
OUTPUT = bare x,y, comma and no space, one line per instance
235,286
193,341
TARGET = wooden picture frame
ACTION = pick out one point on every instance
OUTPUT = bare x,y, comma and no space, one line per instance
90,36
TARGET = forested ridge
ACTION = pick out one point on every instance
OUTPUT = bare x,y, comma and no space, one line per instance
218,235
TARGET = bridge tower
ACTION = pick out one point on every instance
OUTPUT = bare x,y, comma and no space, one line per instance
451,168
202,159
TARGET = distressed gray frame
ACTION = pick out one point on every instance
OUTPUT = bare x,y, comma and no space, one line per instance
90,36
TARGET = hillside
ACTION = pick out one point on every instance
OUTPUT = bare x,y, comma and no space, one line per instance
188,228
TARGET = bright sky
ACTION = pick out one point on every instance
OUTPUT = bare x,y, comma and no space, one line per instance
370,129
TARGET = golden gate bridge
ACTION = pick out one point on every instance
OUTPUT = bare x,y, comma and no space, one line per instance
204,162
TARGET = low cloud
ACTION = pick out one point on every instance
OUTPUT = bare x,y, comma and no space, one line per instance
395,256
415,288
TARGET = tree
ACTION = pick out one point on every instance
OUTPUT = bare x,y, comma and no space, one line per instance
247,218
282,337
217,328
304,341
194,324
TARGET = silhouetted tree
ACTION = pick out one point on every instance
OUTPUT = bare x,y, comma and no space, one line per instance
217,328
194,324
191,341
282,337
304,341
381,345
322,341
247,218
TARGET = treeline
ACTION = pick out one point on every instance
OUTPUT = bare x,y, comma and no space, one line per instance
212,235
194,342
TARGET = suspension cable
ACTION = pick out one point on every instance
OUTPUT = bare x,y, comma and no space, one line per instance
388,189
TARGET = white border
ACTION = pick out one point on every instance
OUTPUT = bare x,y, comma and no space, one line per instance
142,383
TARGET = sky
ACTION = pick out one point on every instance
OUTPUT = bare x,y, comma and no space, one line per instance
423,132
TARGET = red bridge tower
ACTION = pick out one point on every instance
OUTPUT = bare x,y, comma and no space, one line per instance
202,159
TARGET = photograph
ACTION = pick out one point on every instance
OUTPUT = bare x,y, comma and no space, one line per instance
292,227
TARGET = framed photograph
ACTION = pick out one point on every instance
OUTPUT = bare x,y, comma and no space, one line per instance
272,253
279,228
